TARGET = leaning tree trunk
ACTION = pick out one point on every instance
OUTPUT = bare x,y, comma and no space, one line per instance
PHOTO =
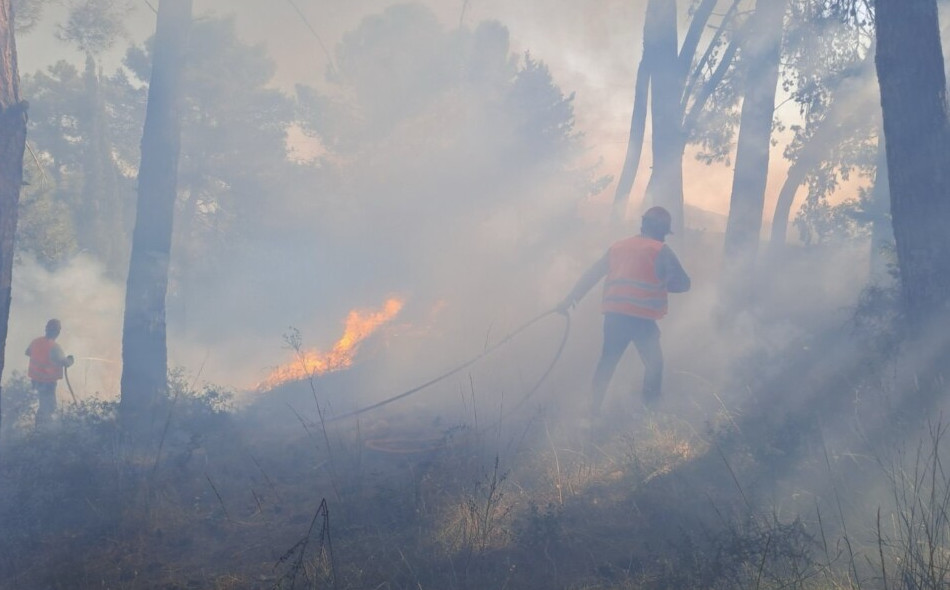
678,96
760,59
797,173
849,102
12,146
635,143
671,76
653,43
910,71
144,350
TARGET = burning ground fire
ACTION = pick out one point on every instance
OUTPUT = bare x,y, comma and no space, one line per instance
360,324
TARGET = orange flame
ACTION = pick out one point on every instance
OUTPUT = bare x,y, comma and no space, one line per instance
359,326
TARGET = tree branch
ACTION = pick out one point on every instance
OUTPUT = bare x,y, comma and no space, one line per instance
707,55
710,86
695,32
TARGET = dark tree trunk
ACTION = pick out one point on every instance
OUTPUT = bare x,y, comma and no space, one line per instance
665,187
760,60
797,173
12,146
635,143
676,104
659,39
910,70
144,350
669,74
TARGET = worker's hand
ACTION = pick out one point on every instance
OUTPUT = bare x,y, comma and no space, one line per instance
70,360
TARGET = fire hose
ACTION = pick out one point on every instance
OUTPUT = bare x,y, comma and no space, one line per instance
507,339
69,385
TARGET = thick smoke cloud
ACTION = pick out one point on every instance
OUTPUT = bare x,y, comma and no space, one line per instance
230,329
474,256
85,301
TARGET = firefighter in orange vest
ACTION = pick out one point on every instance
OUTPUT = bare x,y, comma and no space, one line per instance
639,272
46,368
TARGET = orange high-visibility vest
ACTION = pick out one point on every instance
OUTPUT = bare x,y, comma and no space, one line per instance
42,367
632,287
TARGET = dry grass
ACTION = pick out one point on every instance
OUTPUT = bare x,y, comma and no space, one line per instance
230,504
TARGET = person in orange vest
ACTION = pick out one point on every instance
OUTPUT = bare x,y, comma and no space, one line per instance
640,271
46,368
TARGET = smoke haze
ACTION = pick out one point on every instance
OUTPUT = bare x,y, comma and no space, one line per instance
412,188
469,254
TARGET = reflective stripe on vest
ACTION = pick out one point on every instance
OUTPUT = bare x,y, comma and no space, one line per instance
42,367
632,287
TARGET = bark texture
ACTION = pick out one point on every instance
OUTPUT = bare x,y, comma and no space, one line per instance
910,70
144,348
12,145
760,60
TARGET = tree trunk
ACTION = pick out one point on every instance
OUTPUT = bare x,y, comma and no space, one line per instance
910,70
665,187
635,143
760,59
797,173
670,74
12,146
144,350
656,42
853,98
674,107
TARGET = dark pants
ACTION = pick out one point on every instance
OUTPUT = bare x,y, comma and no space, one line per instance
46,393
619,331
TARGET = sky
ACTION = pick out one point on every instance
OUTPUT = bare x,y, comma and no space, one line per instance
593,50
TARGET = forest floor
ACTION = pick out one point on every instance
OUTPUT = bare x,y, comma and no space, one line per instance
787,474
